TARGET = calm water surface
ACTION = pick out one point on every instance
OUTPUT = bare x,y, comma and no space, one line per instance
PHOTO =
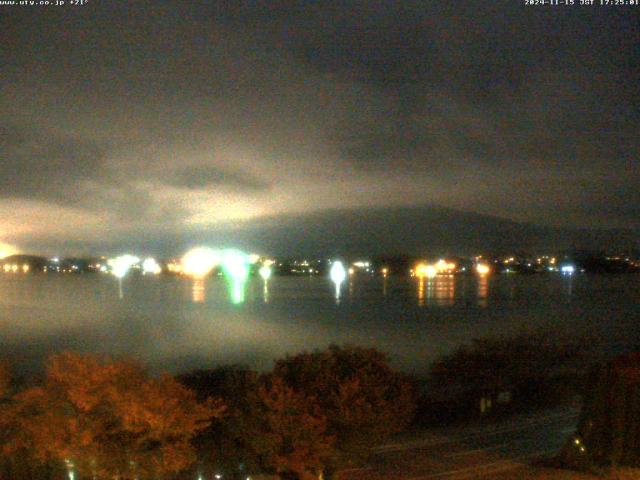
178,324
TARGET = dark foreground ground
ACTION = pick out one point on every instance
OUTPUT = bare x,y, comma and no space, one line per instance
503,450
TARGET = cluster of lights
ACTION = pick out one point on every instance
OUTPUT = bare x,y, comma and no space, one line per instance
14,268
483,269
426,270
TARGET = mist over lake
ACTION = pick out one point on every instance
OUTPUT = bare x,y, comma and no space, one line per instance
174,323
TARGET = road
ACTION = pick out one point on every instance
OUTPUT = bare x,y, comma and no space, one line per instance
471,452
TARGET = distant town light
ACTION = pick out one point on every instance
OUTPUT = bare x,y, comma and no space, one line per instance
337,274
198,262
236,267
425,270
265,272
235,264
567,269
151,266
483,269
121,265
443,266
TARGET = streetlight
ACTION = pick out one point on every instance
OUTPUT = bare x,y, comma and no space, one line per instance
337,274
265,273
120,267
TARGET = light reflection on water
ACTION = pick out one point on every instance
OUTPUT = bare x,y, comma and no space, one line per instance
483,290
197,291
180,323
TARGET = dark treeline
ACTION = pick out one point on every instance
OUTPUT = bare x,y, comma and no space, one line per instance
312,415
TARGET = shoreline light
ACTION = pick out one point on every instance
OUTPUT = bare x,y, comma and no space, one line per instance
424,270
265,272
236,266
338,275
198,262
151,266
121,265
483,269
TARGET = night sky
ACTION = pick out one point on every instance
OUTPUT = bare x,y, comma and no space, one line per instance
160,124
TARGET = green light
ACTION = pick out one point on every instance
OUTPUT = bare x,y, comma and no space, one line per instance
236,268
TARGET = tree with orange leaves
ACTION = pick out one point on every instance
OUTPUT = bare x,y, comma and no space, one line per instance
287,430
363,399
110,420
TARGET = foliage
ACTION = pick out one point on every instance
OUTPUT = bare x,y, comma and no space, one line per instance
609,428
109,419
223,445
526,363
314,412
289,431
268,426
363,399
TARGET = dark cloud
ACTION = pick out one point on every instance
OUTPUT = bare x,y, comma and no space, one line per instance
525,113
211,176
38,163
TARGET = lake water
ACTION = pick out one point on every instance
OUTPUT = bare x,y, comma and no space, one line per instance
178,324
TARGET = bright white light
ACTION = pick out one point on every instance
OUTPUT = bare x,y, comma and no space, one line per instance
198,262
151,266
236,268
568,269
361,264
7,250
337,272
236,264
121,265
265,272
253,258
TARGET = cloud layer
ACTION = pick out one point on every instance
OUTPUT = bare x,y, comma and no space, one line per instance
176,118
